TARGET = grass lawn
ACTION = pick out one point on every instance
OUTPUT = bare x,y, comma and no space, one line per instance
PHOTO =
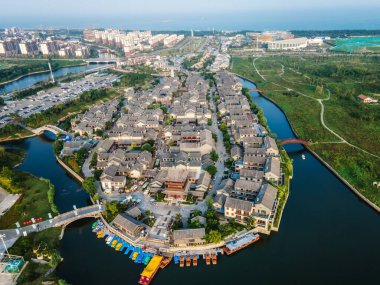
33,202
357,167
346,77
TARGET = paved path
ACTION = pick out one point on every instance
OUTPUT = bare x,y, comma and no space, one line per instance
7,200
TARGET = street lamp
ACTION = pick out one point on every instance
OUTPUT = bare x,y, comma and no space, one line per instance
2,236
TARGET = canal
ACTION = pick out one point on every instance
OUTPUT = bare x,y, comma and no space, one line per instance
327,235
28,81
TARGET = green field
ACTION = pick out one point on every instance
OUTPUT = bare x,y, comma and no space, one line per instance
357,44
296,83
12,69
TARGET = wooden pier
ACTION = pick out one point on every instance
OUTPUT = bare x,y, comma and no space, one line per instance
208,261
188,260
214,259
195,260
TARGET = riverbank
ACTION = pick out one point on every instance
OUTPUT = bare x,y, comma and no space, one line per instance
69,170
39,72
342,173
353,189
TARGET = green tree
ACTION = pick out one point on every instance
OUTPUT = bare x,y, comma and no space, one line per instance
94,160
89,185
147,147
211,169
55,258
177,221
58,146
108,125
214,155
251,222
214,237
112,208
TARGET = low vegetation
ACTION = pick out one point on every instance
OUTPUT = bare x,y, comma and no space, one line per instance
36,201
42,245
295,83
12,131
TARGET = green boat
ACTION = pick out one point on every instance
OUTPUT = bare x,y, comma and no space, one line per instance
94,224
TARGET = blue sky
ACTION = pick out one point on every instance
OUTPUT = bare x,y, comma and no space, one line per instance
196,14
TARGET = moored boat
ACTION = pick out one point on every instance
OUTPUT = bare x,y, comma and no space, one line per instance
240,243
118,247
150,270
109,239
134,256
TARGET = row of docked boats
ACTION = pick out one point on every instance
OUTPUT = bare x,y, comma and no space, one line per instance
135,253
210,256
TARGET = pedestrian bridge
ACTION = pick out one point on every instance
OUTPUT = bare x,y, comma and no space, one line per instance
50,128
92,211
293,141
256,90
11,235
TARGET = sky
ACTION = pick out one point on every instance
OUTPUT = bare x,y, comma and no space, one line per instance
192,14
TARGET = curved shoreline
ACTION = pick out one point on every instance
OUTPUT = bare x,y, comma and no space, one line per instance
328,166
37,72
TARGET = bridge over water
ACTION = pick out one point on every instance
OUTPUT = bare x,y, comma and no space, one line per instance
293,141
62,220
53,129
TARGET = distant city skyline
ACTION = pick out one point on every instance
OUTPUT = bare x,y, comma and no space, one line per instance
197,14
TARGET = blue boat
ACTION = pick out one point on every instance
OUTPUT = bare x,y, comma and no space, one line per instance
176,259
140,257
129,247
133,250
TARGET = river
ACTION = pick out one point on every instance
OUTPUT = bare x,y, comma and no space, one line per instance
28,81
327,234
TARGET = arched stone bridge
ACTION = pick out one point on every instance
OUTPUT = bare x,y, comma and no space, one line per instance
295,141
92,211
54,129
11,235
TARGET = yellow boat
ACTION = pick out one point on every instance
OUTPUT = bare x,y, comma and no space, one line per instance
152,267
119,245
100,234
113,244
134,256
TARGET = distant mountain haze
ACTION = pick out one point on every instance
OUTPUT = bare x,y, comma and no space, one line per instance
195,14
